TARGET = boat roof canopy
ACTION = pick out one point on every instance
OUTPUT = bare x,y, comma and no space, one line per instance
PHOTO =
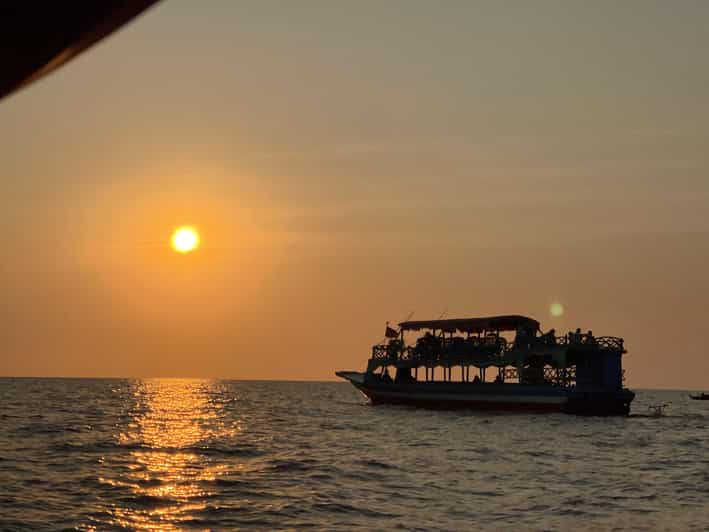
473,325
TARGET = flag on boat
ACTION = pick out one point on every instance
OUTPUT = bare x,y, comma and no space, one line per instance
391,333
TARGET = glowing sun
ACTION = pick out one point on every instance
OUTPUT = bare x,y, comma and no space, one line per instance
185,239
556,310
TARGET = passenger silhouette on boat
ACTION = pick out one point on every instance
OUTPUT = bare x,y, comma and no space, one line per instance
575,337
386,377
589,338
521,338
549,338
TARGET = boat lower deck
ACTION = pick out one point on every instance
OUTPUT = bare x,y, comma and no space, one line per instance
492,396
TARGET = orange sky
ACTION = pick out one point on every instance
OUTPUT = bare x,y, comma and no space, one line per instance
349,163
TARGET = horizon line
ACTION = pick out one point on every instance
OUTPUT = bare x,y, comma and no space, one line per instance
7,377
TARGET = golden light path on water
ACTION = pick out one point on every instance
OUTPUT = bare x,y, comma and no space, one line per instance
172,420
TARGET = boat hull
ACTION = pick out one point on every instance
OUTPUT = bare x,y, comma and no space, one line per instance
492,397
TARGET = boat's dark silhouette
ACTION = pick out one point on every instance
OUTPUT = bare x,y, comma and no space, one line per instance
701,396
577,373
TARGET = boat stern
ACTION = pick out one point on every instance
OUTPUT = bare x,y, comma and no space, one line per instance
600,403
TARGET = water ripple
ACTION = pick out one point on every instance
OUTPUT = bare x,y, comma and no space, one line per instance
174,454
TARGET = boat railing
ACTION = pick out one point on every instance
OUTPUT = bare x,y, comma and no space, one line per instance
509,374
463,350
380,352
610,343
556,376
560,376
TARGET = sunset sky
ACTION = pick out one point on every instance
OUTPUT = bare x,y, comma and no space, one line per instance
346,163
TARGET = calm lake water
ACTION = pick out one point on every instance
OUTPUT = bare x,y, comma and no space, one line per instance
172,454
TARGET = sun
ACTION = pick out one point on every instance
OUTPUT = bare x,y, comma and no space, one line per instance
185,239
556,310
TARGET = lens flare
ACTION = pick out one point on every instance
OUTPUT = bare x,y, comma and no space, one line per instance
556,310
185,239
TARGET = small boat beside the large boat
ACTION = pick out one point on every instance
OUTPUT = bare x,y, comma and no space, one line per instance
514,367
701,396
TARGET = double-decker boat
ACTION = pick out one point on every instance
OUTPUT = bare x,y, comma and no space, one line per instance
514,367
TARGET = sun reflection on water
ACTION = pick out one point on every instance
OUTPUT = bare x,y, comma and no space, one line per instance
173,424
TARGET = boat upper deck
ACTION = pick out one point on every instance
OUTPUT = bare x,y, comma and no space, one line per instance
481,344
490,351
